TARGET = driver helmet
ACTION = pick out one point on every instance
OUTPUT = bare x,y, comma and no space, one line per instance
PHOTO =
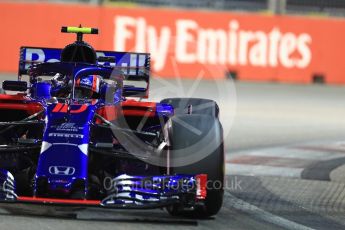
88,86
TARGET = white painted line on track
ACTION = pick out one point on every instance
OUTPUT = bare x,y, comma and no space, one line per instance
290,153
281,155
263,215
262,170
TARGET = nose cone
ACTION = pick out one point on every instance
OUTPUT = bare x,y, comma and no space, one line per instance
62,167
60,186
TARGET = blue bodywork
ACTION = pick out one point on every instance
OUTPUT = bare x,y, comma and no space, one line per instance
136,61
64,152
70,123
63,162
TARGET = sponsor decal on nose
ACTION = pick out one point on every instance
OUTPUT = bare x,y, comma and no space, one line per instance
61,170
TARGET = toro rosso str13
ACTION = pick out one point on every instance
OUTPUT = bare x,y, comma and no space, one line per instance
75,131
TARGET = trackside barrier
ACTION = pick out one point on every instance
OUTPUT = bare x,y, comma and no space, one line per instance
187,43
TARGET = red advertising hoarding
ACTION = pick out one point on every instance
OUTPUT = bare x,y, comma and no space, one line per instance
187,44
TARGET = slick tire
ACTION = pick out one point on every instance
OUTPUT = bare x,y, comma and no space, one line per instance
198,137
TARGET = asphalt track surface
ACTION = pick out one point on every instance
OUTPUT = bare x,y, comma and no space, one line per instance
282,124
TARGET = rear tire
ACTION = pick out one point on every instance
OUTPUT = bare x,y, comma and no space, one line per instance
206,147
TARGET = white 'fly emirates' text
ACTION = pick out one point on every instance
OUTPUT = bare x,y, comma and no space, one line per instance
194,44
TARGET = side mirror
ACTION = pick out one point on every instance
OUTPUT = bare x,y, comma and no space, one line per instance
15,85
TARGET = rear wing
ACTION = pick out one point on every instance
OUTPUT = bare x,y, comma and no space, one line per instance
135,66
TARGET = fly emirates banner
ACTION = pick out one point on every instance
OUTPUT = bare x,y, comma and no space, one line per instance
188,44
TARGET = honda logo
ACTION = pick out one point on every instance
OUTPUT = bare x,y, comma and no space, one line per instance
61,170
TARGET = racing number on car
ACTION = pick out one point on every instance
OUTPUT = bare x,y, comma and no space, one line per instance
80,110
62,108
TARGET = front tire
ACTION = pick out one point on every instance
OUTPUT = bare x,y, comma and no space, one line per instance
206,147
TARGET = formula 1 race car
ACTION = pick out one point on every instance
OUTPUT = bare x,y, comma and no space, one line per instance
74,131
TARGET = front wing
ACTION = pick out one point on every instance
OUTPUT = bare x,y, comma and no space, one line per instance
124,192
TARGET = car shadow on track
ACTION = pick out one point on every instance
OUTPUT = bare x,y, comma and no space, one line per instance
93,214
